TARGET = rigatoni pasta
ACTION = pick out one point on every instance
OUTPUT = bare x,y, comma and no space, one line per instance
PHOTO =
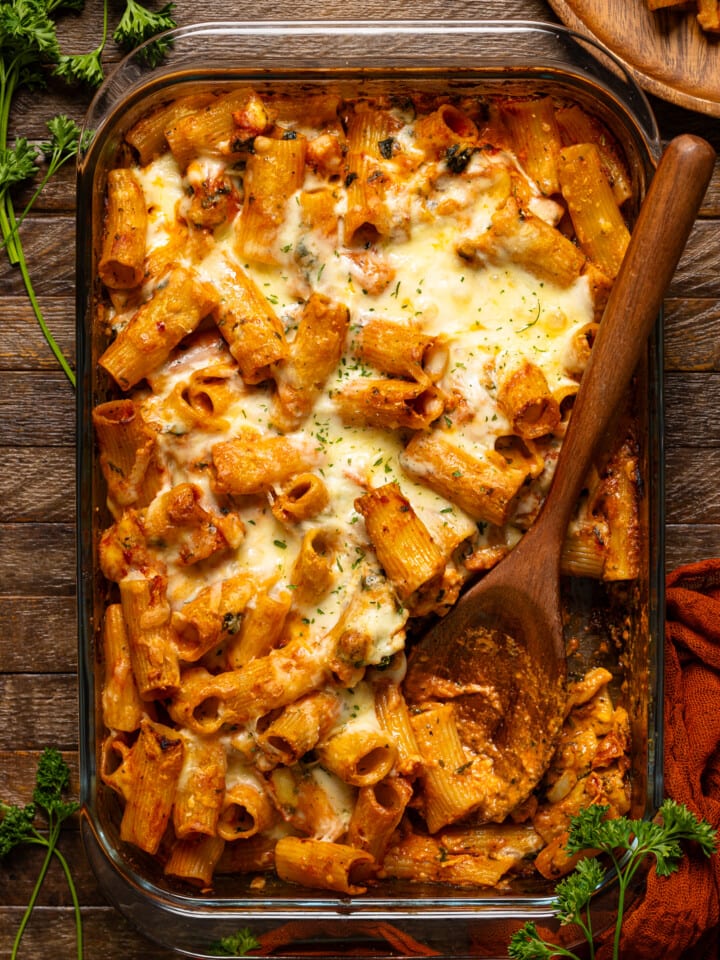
708,11
121,265
340,365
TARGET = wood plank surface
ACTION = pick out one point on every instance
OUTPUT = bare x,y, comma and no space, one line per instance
47,240
688,543
23,346
38,622
689,416
692,494
37,560
34,707
108,936
25,494
36,406
44,626
691,340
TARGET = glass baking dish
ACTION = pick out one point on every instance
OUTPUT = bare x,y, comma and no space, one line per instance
393,919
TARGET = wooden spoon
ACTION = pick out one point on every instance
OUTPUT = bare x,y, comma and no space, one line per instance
499,654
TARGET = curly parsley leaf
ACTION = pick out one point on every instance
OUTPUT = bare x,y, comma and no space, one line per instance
16,826
27,31
53,6
661,837
51,782
65,140
527,944
32,77
574,892
139,24
17,164
679,824
81,67
591,829
236,944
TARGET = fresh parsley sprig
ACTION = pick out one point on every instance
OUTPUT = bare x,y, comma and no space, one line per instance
17,164
626,843
29,54
138,24
85,67
20,164
17,826
28,44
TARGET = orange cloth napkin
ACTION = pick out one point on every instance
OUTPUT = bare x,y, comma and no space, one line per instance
679,916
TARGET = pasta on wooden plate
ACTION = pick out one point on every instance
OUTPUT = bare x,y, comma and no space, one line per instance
707,15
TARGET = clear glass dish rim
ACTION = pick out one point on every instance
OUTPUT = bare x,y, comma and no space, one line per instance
640,109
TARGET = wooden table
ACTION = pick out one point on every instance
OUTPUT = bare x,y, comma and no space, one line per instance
38,659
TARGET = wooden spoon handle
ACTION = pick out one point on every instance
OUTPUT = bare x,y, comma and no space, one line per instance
663,226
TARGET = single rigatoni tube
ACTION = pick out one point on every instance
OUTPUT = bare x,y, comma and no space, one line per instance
121,265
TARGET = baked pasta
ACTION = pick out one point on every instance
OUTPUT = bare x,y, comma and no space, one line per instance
707,11
342,337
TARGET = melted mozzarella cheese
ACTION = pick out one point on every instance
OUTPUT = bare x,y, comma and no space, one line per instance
163,186
489,317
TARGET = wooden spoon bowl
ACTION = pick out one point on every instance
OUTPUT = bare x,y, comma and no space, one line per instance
499,654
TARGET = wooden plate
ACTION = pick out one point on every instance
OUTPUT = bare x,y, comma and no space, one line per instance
665,50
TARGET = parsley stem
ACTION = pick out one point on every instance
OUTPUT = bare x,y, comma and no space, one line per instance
57,352
624,878
586,927
51,850
33,895
559,951
7,210
12,241
76,903
105,26
5,228
7,220
10,236
590,937
618,922
41,186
